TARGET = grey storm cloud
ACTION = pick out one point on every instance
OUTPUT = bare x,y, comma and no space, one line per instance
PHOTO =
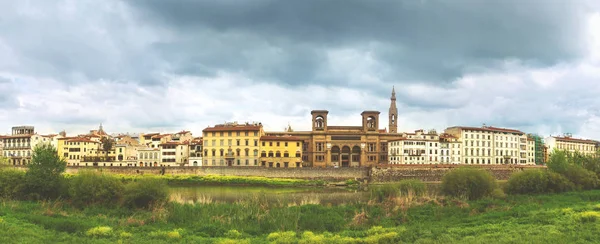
430,40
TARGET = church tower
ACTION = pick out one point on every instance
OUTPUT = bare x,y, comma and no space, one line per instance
393,113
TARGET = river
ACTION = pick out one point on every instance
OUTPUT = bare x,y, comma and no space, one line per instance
288,195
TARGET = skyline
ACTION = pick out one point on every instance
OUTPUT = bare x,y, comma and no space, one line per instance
149,66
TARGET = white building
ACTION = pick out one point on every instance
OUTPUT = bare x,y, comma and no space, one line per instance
530,150
415,148
148,157
570,144
491,145
174,153
449,149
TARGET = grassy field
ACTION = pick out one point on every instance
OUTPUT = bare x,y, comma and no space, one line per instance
572,217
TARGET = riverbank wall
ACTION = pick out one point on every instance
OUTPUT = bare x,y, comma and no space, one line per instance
378,174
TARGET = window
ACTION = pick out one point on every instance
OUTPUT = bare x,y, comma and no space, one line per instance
245,133
229,133
285,144
237,133
277,143
255,133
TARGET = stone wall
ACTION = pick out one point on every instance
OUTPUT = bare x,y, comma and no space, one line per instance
297,173
375,174
431,174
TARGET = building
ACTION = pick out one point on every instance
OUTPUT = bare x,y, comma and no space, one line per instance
174,153
450,151
491,145
232,144
415,148
570,144
530,150
281,152
540,149
17,147
195,158
80,151
328,145
149,157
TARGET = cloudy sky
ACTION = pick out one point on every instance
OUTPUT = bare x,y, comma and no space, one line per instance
156,65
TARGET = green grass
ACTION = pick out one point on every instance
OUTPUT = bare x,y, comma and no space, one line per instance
572,217
181,180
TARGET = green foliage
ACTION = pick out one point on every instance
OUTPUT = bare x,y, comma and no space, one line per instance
288,237
91,187
537,181
145,193
43,179
100,231
582,178
11,183
383,192
580,169
468,183
589,216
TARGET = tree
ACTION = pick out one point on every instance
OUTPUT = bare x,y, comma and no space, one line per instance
4,161
107,145
43,179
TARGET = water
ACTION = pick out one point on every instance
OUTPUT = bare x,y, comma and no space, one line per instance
231,194
288,195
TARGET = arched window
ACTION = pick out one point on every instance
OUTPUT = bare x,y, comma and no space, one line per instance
270,154
278,154
319,122
263,154
286,154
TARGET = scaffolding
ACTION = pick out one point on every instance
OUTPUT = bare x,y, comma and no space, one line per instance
540,157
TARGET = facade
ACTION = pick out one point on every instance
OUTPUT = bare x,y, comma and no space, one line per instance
570,144
78,151
17,147
148,157
195,158
281,152
530,150
174,154
415,148
491,145
232,144
540,149
450,149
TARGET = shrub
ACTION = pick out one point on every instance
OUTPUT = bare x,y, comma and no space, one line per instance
145,193
282,237
582,178
90,188
558,183
43,179
100,231
589,216
415,187
11,183
468,183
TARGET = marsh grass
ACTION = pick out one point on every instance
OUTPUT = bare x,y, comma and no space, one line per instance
557,218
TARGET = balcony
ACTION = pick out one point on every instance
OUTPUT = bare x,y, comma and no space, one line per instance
229,155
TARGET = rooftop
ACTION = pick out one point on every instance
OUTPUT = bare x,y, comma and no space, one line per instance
243,127
575,140
280,138
488,128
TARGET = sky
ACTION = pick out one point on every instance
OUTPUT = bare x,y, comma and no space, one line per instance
166,66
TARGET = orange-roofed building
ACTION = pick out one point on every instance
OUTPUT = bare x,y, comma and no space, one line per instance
232,144
570,144
491,145
281,151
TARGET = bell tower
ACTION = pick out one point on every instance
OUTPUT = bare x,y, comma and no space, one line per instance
393,113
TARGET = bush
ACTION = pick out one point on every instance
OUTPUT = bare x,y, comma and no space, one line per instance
145,193
380,193
536,181
100,231
468,183
415,187
91,188
11,183
43,179
582,178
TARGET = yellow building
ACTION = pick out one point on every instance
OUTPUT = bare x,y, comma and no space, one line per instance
232,144
281,151
77,151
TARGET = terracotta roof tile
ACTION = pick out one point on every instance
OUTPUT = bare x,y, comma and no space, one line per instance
280,138
575,140
489,128
233,128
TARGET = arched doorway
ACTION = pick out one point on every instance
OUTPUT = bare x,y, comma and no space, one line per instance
277,165
195,163
335,156
345,156
355,156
